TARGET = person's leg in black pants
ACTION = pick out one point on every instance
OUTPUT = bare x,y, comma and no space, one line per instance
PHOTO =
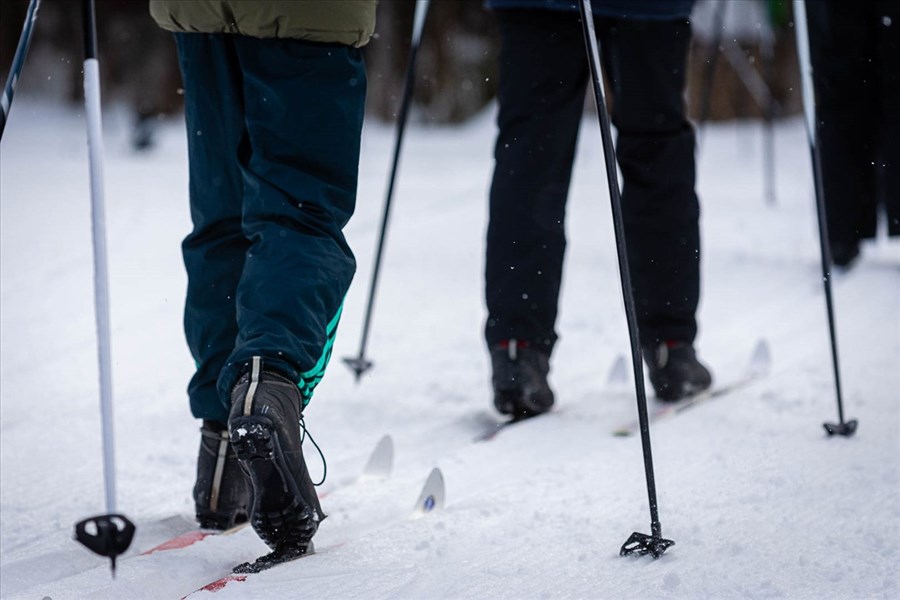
543,78
889,80
843,46
645,63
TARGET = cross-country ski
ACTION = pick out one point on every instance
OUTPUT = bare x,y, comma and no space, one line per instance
378,467
431,499
757,367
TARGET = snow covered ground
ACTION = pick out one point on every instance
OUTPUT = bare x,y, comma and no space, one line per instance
760,502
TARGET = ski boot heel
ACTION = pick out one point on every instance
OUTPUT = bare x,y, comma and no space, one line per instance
280,516
253,438
217,521
221,493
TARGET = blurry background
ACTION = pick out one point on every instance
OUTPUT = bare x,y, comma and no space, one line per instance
743,61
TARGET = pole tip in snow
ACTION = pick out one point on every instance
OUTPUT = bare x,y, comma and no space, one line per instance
642,544
106,535
845,429
358,365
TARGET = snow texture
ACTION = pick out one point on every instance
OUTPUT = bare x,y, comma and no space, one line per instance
759,501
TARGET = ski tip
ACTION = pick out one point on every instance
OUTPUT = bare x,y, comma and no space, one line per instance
431,498
618,373
761,359
381,461
491,431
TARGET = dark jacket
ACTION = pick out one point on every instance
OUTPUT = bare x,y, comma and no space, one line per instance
349,22
622,9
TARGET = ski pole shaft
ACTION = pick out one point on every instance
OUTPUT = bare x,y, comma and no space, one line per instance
772,109
98,221
593,50
360,364
15,70
809,109
108,535
768,145
801,31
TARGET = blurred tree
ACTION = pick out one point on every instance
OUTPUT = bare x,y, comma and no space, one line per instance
754,34
137,59
456,71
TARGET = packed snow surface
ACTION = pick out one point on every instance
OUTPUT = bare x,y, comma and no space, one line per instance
760,503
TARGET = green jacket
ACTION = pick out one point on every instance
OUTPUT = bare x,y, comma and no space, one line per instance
349,22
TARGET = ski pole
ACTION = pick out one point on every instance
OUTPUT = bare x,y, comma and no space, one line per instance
18,62
360,364
771,110
108,535
845,428
640,543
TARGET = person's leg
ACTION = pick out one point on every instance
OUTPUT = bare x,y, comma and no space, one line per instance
888,27
215,250
214,258
303,114
646,63
303,107
842,47
543,77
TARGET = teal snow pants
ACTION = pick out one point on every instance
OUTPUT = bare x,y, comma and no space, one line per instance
273,129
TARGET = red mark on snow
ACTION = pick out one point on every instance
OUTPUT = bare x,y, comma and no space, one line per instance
218,584
182,541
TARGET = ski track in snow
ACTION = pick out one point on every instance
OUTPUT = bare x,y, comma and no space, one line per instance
760,503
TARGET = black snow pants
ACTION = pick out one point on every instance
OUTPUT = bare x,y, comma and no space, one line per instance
855,49
543,79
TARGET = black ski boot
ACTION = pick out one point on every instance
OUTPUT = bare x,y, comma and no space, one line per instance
221,491
520,380
675,371
266,409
